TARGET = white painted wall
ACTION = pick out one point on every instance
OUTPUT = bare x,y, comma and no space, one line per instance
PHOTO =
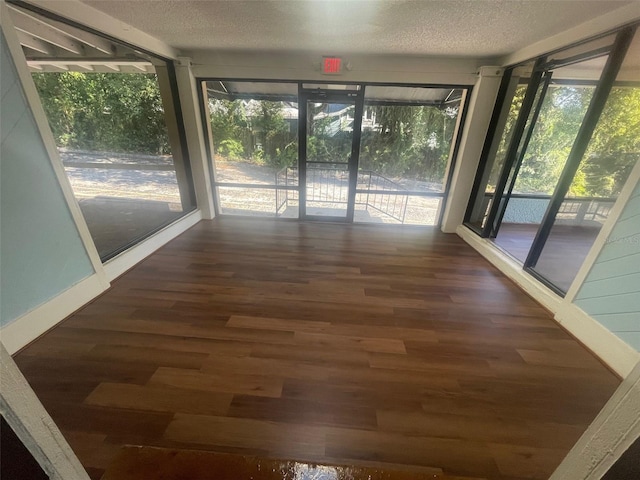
195,136
364,68
479,114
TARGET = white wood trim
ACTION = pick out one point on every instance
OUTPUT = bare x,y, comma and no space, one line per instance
613,351
607,346
190,103
33,101
604,233
83,14
34,323
604,23
612,432
511,268
33,425
134,255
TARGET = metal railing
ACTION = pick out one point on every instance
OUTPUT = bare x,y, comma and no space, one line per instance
330,184
288,176
580,209
531,208
377,197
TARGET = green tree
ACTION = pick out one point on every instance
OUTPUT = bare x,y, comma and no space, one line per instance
554,133
103,111
252,130
614,147
409,141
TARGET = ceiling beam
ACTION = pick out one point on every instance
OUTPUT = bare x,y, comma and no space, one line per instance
94,41
87,38
77,11
86,67
143,67
34,43
40,29
113,64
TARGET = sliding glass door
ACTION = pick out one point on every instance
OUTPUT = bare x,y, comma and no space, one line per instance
554,161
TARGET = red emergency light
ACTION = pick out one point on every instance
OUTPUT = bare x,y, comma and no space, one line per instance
331,65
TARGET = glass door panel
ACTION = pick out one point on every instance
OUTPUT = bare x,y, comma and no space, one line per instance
329,142
405,150
543,156
613,151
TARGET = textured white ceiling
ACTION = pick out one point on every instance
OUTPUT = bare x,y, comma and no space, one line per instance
465,28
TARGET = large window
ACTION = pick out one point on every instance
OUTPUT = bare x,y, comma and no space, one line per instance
543,158
111,112
407,137
571,133
254,147
365,153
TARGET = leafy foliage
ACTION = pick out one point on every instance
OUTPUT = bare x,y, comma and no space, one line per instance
554,133
615,146
403,141
409,141
254,131
105,111
613,151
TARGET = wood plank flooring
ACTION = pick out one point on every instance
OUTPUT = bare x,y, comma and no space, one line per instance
149,463
320,342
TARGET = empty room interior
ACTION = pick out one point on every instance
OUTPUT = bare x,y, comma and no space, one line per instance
320,239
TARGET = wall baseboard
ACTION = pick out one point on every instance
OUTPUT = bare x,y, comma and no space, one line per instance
512,269
613,351
31,325
129,258
610,349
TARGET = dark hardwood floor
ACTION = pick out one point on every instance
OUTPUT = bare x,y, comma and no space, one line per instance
320,342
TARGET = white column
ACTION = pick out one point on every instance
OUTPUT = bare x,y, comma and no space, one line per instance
612,432
190,104
483,98
33,426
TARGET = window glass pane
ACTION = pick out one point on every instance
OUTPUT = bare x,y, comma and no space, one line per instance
405,149
561,114
112,136
613,151
254,142
560,117
405,209
489,177
111,112
254,134
259,202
